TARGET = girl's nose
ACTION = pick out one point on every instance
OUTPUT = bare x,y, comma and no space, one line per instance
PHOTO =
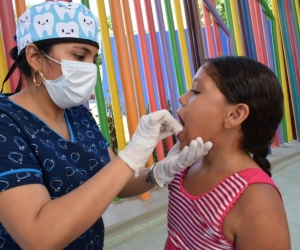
183,99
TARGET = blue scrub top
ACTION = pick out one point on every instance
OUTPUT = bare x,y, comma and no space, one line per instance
31,152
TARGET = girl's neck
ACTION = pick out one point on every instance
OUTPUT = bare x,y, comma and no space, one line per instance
227,159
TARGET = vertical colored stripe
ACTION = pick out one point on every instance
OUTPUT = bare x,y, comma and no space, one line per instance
113,87
147,67
3,67
8,31
248,29
20,7
236,26
174,46
208,31
280,66
183,45
167,57
189,24
157,65
217,35
290,67
230,21
221,23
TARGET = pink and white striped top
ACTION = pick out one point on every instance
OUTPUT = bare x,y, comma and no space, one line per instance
195,222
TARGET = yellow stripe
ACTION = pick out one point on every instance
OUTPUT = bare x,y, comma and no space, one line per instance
183,45
283,73
237,33
112,81
3,67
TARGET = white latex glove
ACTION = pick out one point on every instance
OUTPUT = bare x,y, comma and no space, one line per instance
151,129
177,160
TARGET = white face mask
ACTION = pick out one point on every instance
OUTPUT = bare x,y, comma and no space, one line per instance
76,84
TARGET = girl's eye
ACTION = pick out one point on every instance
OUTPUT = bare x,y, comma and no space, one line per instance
195,92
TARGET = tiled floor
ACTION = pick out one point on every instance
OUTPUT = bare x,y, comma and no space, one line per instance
287,180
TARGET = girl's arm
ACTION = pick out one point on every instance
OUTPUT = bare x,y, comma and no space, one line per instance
260,220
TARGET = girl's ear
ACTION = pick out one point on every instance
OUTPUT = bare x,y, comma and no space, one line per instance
236,115
33,57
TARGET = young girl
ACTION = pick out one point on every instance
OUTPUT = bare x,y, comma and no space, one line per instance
228,200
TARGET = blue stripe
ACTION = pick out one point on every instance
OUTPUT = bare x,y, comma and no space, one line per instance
20,171
69,127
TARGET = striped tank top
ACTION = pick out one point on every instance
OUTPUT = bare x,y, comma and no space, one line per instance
195,222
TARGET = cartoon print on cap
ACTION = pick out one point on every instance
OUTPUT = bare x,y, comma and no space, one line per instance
24,41
40,7
24,21
52,20
43,23
70,29
63,8
87,24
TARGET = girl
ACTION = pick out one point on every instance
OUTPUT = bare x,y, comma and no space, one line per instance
227,200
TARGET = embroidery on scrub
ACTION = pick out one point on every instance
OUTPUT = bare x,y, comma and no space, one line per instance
22,175
32,131
69,172
90,115
33,157
81,136
83,235
62,143
83,171
76,124
48,164
102,144
5,104
15,157
35,148
15,127
35,118
97,239
56,183
15,115
20,142
5,116
90,134
2,231
2,138
72,111
90,246
48,143
69,189
46,129
22,114
93,163
75,157
93,148
96,128
103,160
91,229
2,242
4,184
85,122
62,157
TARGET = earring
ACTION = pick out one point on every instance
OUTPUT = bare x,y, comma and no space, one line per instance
41,74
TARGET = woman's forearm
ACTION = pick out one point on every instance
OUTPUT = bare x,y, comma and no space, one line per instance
53,224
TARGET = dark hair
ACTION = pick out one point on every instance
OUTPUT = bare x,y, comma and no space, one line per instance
22,64
243,80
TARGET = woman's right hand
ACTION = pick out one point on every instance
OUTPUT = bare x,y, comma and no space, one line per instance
151,129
